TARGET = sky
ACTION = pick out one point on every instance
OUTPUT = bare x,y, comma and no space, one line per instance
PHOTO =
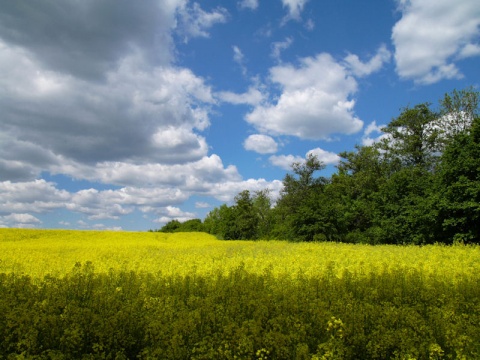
125,115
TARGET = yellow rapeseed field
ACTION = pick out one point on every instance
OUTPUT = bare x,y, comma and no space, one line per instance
144,295
55,252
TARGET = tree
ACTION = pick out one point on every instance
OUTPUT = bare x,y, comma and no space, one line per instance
221,223
458,110
171,226
406,210
262,205
246,217
413,139
297,211
459,186
354,190
192,225
186,226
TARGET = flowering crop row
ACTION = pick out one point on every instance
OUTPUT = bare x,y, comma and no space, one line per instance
71,294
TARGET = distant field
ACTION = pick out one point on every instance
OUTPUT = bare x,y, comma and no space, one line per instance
98,294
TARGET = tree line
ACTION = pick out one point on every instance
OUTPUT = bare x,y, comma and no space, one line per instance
418,184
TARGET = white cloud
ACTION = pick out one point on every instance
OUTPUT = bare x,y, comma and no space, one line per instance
285,161
248,4
361,69
192,175
98,226
179,144
295,7
373,128
252,97
19,221
202,205
195,22
279,46
237,55
239,58
431,34
316,101
99,204
226,191
40,197
326,157
261,144
174,213
469,50
36,196
104,227
23,218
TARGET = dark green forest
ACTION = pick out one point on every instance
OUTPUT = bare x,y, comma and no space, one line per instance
419,184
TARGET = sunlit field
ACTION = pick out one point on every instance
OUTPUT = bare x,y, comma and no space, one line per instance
55,252
144,295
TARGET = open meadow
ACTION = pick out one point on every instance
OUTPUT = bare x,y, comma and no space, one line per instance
149,295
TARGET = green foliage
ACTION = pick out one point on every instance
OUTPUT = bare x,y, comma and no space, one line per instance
193,225
171,226
250,218
413,139
459,186
395,314
298,215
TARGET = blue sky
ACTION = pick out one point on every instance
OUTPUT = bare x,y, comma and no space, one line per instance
126,114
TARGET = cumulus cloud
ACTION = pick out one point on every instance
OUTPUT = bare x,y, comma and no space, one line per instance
98,204
315,102
285,161
326,157
361,69
262,144
192,176
431,35
19,221
33,196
